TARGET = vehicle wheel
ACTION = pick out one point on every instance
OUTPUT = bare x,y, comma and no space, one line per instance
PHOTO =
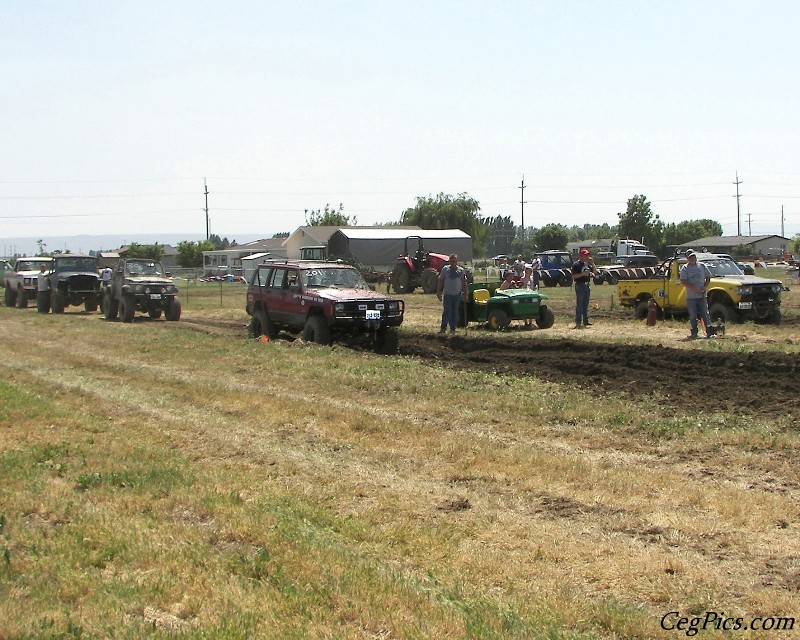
612,278
430,280
599,279
10,298
497,319
173,313
776,316
127,308
22,299
154,313
402,279
548,280
316,330
110,307
262,325
565,279
57,301
90,306
641,310
386,341
720,312
546,318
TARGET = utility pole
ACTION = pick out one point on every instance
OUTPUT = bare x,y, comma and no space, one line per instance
749,224
522,209
782,220
206,188
738,213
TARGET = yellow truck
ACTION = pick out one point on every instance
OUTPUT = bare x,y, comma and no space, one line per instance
732,295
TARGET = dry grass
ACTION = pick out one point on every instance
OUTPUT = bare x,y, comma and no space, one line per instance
156,480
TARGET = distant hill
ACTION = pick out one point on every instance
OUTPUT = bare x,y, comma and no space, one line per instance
86,243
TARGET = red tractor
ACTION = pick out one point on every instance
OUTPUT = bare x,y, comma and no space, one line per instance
418,270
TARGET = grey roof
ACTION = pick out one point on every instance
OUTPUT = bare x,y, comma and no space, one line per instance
728,241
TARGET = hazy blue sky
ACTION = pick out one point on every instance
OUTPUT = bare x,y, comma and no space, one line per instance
113,113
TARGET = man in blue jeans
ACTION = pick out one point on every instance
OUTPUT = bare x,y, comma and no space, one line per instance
695,277
453,286
582,272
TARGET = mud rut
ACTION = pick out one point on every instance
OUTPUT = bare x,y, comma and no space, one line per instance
763,383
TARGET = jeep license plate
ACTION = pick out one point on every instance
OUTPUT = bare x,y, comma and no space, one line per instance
155,296
373,314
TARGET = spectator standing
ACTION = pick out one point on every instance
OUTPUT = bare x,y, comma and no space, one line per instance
695,276
42,291
106,275
536,264
519,266
582,272
453,288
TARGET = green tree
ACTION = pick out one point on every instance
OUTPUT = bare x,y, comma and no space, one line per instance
190,254
329,217
219,243
689,230
450,212
151,251
551,236
282,234
639,222
500,235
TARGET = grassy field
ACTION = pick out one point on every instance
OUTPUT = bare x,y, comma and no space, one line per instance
179,480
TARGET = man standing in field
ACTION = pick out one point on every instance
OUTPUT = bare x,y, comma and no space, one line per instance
695,277
453,286
582,272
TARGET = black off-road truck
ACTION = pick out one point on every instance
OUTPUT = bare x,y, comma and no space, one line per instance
140,284
74,281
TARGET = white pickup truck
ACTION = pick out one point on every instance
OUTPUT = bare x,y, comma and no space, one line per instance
20,282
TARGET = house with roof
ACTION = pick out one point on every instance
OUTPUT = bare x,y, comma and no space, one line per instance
224,261
765,247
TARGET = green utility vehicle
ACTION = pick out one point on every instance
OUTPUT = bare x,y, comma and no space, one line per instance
498,307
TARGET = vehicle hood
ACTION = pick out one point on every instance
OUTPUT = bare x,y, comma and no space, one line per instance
32,272
70,274
519,293
147,280
747,280
339,294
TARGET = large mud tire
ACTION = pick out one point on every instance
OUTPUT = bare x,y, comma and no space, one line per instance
261,325
155,312
724,313
386,341
317,330
641,310
565,279
10,297
57,301
173,311
430,280
90,306
546,318
402,279
110,307
127,308
22,299
497,320
612,278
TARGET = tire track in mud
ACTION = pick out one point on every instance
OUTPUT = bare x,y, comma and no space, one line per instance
760,382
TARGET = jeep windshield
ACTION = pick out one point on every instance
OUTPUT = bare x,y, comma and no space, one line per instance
144,269
76,264
721,267
336,277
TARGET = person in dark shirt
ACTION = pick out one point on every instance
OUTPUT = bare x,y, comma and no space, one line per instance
582,272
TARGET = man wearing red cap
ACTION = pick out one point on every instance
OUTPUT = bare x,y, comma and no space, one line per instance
582,272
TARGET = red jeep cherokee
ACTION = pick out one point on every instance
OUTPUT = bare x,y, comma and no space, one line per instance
323,300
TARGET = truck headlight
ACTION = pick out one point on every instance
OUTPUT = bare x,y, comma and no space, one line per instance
744,291
392,306
338,308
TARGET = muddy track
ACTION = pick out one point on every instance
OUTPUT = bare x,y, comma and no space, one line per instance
763,383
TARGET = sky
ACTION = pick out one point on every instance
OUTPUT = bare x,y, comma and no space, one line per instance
115,116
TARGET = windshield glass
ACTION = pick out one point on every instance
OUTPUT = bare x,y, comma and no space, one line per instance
76,264
145,269
723,267
339,278
30,265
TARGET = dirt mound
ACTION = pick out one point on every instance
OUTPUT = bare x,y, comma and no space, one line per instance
697,380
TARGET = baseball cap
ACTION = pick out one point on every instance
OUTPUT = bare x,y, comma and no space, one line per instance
689,253
584,252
